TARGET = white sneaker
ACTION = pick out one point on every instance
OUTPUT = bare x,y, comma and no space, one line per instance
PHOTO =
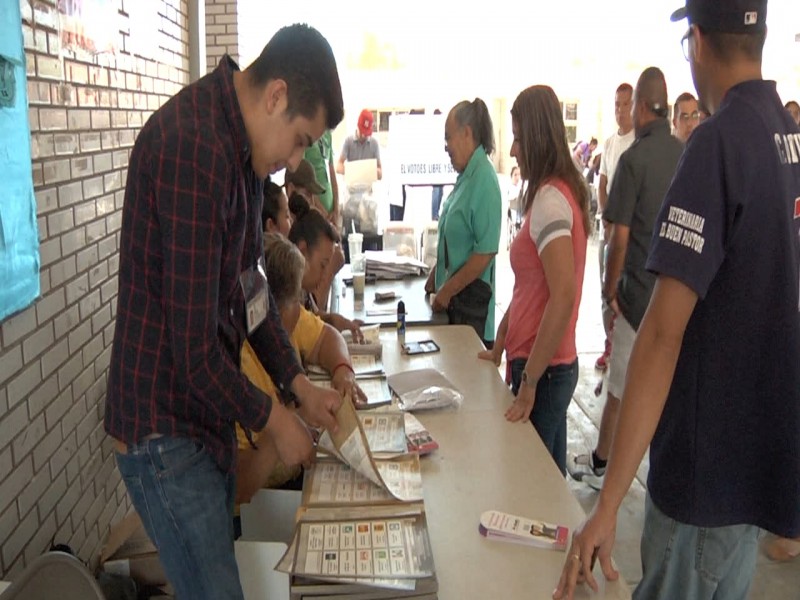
581,468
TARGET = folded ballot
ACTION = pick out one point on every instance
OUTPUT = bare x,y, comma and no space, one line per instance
496,525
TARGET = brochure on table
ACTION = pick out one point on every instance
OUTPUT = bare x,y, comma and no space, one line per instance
418,438
501,526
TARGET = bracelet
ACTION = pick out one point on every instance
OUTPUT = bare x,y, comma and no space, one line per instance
342,364
528,381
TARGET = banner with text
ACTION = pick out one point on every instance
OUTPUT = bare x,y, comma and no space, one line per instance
416,143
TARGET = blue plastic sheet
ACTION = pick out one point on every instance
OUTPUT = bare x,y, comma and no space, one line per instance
19,239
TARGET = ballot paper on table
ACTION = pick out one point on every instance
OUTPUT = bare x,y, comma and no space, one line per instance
364,366
360,172
387,264
350,445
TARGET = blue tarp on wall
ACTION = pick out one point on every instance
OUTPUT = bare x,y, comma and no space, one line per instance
19,240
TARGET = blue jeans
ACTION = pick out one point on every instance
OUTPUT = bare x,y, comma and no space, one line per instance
186,505
701,563
549,415
436,201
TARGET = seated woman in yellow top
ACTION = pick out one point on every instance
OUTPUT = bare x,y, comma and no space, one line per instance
315,341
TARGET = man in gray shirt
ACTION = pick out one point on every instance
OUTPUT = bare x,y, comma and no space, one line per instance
362,145
643,175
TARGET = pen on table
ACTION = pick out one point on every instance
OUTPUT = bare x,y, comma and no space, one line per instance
401,321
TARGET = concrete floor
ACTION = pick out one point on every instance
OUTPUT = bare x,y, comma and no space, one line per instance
771,581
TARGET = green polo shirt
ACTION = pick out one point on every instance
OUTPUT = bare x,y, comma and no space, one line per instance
470,223
320,155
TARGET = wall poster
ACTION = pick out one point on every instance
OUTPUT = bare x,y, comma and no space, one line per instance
19,239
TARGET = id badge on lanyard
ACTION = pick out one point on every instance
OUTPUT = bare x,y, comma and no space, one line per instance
256,298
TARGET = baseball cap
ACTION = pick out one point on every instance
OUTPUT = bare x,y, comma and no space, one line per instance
365,121
303,176
725,16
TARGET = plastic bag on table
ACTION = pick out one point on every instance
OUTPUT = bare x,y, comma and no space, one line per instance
360,212
430,397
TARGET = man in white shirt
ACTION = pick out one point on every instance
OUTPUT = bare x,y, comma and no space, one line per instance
613,148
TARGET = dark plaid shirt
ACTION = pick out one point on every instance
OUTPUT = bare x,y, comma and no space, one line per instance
191,224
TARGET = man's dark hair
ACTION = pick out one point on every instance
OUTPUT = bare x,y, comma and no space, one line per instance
625,87
651,89
684,97
727,46
299,55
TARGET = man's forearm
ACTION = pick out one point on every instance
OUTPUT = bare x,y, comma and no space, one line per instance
602,194
334,183
616,259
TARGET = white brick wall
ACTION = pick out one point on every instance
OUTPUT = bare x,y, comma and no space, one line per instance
58,480
222,31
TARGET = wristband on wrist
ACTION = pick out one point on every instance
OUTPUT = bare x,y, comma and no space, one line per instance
526,380
342,364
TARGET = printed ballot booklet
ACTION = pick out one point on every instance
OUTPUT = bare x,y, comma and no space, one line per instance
362,531
500,526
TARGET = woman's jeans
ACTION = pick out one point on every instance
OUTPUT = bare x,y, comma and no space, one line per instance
549,415
186,506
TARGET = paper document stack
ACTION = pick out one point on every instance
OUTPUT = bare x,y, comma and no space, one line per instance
504,527
370,344
387,264
367,367
362,532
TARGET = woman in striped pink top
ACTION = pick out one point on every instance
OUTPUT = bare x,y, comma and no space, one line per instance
548,258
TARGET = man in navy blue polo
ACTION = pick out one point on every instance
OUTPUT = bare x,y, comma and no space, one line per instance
714,379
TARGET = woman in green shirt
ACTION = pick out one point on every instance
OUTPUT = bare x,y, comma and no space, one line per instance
469,226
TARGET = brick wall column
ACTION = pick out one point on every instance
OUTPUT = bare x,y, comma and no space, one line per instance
222,31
